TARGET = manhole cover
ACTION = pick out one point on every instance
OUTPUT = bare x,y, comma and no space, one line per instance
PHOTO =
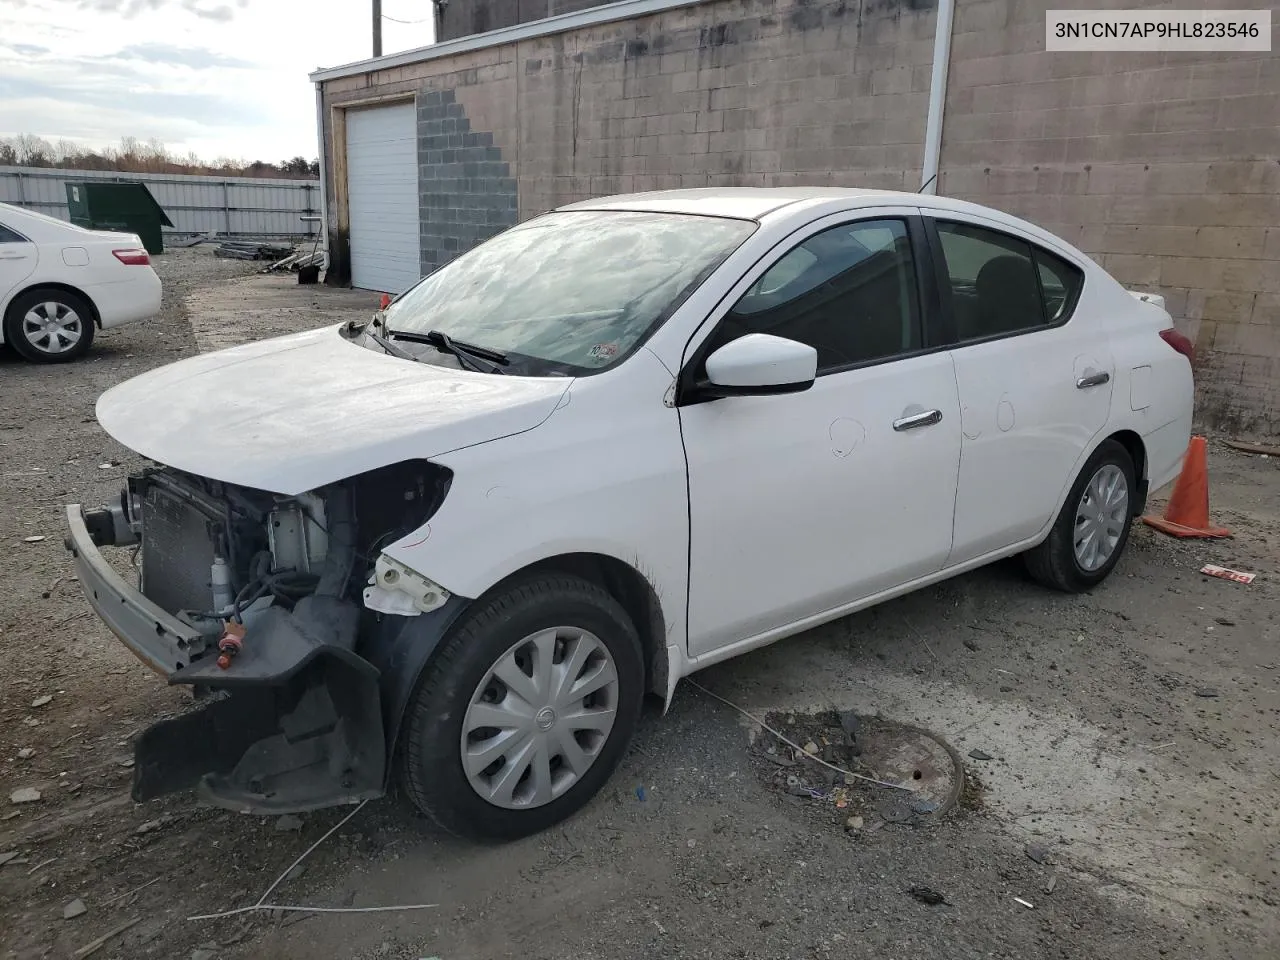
918,776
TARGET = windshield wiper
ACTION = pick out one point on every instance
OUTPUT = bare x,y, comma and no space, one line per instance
467,354
390,347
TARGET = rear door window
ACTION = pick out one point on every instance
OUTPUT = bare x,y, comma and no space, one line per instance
1001,285
11,236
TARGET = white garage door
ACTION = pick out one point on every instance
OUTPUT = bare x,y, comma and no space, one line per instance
382,197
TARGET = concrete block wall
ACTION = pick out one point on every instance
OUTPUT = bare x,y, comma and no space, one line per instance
1165,167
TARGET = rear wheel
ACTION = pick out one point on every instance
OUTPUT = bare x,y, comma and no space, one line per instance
49,326
525,711
1093,527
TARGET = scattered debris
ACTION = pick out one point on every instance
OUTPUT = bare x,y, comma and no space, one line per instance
1244,447
251,249
980,755
94,945
32,539
74,909
6,857
776,759
1207,692
26,753
206,952
811,748
296,873
849,722
641,793
971,645
1224,621
1226,573
41,701
927,895
41,865
1053,882
148,826
853,823
289,823
1036,852
11,815
126,762
25,795
1026,903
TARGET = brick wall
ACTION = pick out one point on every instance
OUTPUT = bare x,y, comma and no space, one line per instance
1163,166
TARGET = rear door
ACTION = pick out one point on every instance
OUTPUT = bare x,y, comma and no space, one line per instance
17,261
1034,377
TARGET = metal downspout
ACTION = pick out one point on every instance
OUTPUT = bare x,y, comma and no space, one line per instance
937,95
324,182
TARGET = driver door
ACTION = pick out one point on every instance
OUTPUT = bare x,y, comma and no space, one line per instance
802,504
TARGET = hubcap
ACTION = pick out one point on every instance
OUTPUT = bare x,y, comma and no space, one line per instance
52,327
1101,517
539,718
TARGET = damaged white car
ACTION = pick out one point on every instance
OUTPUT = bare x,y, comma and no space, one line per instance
459,543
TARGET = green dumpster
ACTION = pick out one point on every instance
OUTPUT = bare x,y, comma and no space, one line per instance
128,207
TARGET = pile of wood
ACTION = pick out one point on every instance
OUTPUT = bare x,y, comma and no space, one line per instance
297,260
253,249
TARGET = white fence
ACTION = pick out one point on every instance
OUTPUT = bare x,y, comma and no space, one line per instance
244,206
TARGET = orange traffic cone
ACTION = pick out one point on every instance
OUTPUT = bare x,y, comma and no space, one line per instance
1187,514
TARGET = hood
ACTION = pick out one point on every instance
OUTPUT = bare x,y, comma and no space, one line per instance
294,413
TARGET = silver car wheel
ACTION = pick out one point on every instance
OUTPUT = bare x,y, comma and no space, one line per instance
52,327
1101,516
540,718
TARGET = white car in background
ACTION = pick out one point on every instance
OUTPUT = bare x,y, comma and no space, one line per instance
60,283
603,450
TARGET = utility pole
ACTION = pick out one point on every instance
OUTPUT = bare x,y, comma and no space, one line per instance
377,28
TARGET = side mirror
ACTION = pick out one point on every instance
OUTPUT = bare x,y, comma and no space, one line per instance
760,364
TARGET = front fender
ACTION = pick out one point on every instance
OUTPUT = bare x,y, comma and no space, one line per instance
400,648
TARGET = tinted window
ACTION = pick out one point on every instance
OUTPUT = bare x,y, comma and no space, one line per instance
8,236
569,292
849,292
1001,285
1060,283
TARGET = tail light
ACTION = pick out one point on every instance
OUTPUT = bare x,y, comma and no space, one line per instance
385,301
133,257
1180,343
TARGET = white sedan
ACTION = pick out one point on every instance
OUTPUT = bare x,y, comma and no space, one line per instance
59,283
609,447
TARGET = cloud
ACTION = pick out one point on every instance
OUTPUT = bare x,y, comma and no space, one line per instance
197,58
28,49
201,108
205,10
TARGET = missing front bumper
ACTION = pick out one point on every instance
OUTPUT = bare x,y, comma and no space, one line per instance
295,723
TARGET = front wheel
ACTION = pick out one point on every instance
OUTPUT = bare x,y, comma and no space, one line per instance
525,711
1091,530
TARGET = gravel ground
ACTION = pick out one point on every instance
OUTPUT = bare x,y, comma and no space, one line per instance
1132,736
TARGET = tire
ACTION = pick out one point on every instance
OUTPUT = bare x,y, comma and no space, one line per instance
69,312
1055,562
501,630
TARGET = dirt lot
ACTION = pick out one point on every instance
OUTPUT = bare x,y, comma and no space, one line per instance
1132,736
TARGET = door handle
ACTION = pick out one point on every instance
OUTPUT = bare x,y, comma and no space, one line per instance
13,256
926,419
1093,380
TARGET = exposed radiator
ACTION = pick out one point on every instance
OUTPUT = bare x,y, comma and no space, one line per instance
177,552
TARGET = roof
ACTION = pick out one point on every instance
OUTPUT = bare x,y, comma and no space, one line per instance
752,203
757,203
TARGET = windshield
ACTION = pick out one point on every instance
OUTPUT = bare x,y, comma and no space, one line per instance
571,292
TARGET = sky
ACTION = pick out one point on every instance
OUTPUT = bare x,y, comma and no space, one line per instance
222,78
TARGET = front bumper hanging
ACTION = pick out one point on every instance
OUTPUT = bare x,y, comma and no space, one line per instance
295,723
